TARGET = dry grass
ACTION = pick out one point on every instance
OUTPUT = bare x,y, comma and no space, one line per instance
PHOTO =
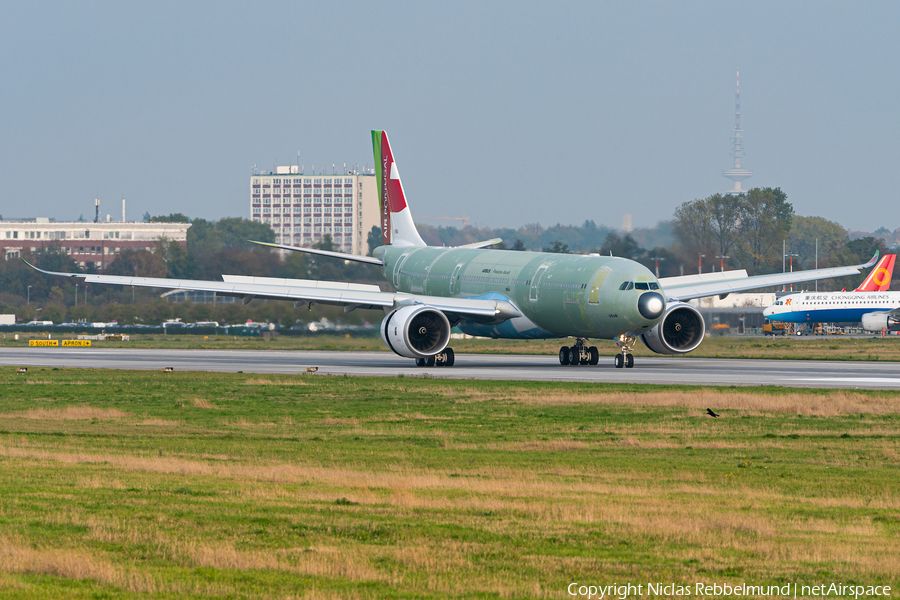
838,402
279,382
159,423
69,413
203,403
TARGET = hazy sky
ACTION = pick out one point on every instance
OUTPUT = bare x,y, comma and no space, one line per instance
509,113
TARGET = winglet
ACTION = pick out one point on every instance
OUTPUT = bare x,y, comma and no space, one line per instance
50,272
872,262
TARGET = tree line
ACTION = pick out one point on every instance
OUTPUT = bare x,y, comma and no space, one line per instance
747,229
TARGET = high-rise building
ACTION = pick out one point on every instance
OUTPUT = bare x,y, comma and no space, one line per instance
301,209
738,173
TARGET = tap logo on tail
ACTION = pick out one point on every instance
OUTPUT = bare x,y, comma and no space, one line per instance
397,227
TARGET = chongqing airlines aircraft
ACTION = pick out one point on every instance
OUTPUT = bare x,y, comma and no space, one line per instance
498,293
875,307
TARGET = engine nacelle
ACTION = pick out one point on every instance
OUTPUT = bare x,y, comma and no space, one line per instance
416,331
876,321
680,330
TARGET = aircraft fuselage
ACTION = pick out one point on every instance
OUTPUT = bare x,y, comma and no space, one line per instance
559,295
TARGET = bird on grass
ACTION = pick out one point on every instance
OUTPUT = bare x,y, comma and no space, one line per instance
710,412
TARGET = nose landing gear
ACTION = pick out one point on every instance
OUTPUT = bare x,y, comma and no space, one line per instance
579,354
625,359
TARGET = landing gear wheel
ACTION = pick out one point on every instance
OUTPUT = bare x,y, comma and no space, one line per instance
429,362
574,358
420,362
594,355
450,357
629,361
620,362
564,355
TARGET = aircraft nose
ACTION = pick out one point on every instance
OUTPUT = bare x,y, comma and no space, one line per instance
651,305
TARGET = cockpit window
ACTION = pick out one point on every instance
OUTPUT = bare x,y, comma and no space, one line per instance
641,286
654,285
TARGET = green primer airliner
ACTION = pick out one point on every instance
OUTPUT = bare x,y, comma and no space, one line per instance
498,293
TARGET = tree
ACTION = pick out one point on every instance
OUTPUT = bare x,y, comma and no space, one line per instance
623,246
557,247
765,220
864,248
230,232
519,246
724,212
694,226
808,233
179,263
138,263
668,263
172,218
374,239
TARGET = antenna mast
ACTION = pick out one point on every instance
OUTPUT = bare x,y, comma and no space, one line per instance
738,173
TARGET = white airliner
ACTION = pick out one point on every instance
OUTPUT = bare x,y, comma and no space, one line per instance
876,311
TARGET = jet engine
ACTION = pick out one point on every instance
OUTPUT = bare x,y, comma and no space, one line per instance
680,330
416,331
876,321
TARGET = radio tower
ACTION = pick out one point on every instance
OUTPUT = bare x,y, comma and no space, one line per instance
737,174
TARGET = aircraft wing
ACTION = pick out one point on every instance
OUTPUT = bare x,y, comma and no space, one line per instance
348,295
688,288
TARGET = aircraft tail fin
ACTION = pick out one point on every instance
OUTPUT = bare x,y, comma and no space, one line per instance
879,278
397,227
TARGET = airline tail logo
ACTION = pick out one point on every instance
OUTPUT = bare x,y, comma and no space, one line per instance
879,280
390,190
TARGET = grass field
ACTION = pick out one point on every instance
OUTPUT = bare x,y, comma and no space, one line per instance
805,348
143,484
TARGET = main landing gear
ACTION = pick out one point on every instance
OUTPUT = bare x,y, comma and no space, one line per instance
441,359
579,354
626,343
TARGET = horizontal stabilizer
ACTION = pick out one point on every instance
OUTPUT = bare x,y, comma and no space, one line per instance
354,257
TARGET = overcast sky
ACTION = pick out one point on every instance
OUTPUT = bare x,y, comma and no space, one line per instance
509,113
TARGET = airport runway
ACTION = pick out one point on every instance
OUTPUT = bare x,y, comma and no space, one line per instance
682,370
